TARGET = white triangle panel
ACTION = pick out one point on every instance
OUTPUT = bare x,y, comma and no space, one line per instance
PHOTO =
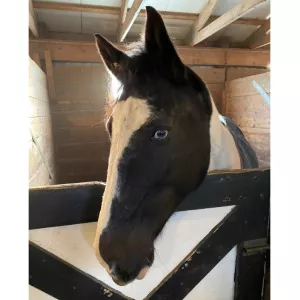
181,234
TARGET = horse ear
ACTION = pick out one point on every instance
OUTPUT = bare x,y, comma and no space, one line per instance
114,59
157,40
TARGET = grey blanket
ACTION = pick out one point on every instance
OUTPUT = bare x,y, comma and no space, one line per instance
247,155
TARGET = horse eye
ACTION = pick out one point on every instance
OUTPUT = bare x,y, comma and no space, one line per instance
160,134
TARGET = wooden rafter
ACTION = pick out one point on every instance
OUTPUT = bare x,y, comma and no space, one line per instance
259,35
226,19
116,11
130,18
32,20
122,17
202,19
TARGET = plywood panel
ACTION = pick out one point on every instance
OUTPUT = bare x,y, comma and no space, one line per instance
249,110
78,114
80,135
77,119
96,150
210,75
250,104
250,119
82,167
236,73
244,86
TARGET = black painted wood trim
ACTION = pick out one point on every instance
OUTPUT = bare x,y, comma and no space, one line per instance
81,203
250,275
202,259
235,228
224,188
63,281
69,204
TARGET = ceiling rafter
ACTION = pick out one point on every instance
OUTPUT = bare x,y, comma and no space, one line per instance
122,17
130,18
142,13
259,36
202,19
226,19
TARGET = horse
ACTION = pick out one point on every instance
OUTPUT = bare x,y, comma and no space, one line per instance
166,134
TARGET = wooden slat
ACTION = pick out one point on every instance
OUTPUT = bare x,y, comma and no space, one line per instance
87,52
49,73
116,11
130,18
226,19
258,35
85,151
202,19
122,17
89,119
32,20
75,135
251,113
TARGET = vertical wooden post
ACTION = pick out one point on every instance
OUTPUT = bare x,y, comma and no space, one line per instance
36,58
49,73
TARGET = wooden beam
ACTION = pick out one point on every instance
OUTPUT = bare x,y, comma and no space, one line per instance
32,20
122,17
87,52
266,40
130,18
116,11
258,35
49,74
202,19
226,19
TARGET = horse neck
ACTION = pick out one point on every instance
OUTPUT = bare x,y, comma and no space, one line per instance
224,154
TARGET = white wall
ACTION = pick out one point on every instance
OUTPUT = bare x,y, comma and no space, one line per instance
41,152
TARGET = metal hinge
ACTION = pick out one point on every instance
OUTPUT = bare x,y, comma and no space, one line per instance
256,246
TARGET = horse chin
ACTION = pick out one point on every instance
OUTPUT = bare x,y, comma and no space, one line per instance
142,273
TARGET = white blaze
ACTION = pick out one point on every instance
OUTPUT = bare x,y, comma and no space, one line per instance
128,116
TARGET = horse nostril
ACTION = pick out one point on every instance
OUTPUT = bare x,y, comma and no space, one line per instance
118,281
113,272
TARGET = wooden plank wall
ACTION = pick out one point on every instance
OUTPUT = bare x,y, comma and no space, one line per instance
82,145
40,139
245,105
78,116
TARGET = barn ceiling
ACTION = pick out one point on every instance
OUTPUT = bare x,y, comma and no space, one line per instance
82,25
